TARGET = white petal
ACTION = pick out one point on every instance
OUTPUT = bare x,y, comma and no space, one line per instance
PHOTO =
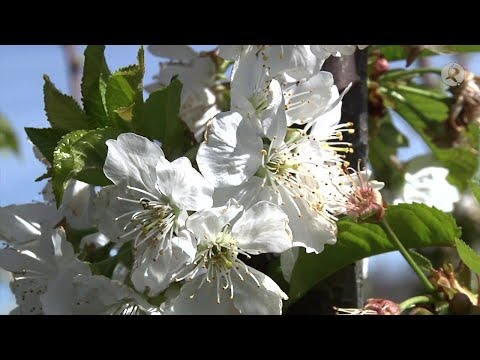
97,240
23,224
232,152
322,127
230,52
320,52
77,204
287,263
108,208
154,271
58,298
61,247
184,185
185,242
263,228
174,52
100,295
311,231
17,261
132,158
309,98
208,223
247,193
274,118
297,61
342,49
204,301
250,299
27,293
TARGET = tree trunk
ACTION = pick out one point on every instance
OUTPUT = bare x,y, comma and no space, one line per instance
344,288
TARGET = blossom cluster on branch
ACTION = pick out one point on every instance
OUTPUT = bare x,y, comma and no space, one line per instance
176,235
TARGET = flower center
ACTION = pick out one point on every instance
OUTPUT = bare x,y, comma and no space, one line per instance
260,97
289,168
219,257
154,223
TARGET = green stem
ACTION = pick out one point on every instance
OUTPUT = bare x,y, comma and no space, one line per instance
415,300
394,75
407,257
418,91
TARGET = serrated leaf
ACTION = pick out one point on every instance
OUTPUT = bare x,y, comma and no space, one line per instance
468,256
460,172
125,91
416,225
63,112
45,140
423,263
8,138
81,155
94,84
161,120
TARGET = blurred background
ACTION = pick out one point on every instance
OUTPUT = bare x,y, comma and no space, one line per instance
21,103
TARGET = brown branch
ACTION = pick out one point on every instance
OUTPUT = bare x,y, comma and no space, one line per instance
345,287
74,63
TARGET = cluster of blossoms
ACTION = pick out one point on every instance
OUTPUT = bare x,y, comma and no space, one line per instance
272,177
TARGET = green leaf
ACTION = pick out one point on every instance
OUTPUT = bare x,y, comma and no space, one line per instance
81,155
434,105
106,266
416,225
400,52
423,263
8,139
475,187
124,95
460,172
63,111
45,140
94,84
468,256
384,142
161,120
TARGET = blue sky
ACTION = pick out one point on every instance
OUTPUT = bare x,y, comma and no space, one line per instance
21,101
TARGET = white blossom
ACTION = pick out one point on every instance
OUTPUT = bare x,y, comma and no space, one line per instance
43,274
197,73
218,281
429,186
148,205
244,166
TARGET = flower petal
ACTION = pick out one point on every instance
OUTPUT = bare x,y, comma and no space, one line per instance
173,52
287,262
132,158
203,302
232,152
77,204
310,98
247,193
23,224
251,299
263,228
184,185
208,223
312,230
